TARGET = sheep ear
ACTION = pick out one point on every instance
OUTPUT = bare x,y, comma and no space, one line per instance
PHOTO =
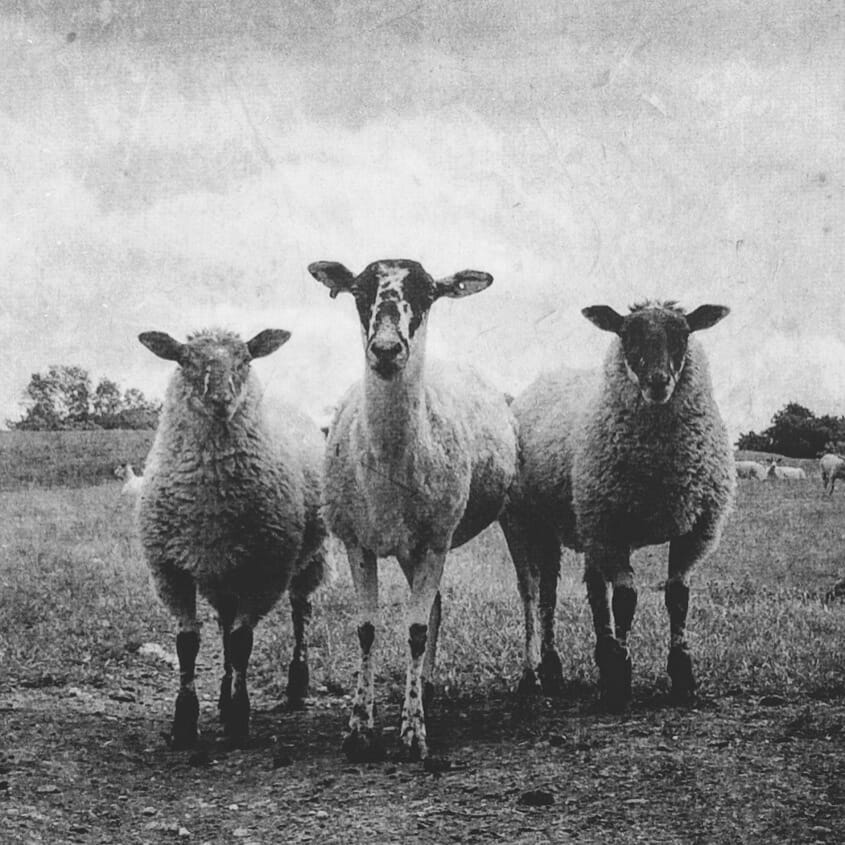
706,316
266,342
333,275
465,283
163,345
604,317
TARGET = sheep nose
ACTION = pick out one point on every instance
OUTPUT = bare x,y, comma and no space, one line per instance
386,351
659,381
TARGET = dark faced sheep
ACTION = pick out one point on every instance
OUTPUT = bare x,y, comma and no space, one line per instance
634,456
230,507
418,460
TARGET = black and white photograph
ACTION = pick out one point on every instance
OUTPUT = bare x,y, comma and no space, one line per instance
420,421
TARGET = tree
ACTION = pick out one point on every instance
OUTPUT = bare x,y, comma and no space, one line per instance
795,432
62,398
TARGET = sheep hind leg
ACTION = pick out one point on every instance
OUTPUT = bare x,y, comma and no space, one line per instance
236,715
361,744
612,656
521,539
302,585
683,553
225,619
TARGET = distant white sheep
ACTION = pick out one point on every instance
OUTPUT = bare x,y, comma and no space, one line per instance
782,473
230,506
418,461
633,456
132,483
750,469
832,467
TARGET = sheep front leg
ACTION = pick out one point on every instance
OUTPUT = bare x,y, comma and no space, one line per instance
302,585
178,592
424,576
605,566
361,743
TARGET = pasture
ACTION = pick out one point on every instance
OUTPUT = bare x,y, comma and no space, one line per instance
87,690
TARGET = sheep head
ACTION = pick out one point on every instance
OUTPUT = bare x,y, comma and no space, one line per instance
214,365
654,338
393,298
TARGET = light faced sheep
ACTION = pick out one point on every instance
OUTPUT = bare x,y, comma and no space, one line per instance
633,456
230,507
776,471
132,483
418,460
750,469
832,467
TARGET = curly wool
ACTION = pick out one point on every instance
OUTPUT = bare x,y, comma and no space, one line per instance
235,505
613,469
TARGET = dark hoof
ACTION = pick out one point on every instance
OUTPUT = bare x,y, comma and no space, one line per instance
529,685
363,745
681,675
184,731
298,679
551,674
411,752
236,719
614,662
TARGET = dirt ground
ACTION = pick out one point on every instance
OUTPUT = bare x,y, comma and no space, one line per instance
89,764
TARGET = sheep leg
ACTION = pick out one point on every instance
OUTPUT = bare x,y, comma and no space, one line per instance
225,618
424,575
301,587
603,567
683,553
177,591
361,743
431,651
527,552
236,715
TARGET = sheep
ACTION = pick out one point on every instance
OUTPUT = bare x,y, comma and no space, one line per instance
230,507
832,467
132,483
418,461
632,456
750,469
776,471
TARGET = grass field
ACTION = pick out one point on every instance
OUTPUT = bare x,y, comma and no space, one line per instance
76,605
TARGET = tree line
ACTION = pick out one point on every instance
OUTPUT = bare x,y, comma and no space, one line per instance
797,433
64,398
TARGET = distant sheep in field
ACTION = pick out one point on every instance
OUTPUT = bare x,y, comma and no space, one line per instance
633,456
418,461
132,483
776,471
750,469
832,467
230,506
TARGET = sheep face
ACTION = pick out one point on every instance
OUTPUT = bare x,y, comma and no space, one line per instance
393,298
214,365
654,338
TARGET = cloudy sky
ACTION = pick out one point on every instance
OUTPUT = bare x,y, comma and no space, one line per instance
173,164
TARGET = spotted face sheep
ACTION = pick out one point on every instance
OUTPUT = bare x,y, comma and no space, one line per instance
635,455
419,459
230,507
832,467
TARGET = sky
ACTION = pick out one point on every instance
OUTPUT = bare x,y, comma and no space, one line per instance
175,164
